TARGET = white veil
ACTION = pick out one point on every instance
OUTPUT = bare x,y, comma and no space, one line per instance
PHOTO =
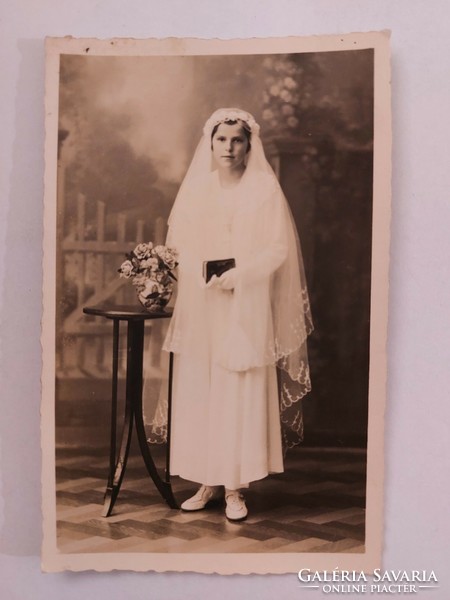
282,340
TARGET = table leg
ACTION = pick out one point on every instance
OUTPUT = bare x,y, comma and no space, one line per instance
115,375
117,468
169,417
135,358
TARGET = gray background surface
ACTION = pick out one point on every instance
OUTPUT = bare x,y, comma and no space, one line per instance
417,527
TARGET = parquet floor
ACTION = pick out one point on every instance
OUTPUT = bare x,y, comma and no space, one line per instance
317,505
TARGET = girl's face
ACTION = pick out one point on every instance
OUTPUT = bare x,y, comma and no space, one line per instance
230,146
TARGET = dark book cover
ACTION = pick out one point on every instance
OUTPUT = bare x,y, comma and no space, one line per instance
217,267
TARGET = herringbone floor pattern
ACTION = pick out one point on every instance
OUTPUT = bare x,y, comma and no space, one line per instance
317,505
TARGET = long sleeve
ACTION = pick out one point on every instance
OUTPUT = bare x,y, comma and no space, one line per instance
273,247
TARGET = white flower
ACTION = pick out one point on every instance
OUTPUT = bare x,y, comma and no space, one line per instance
166,255
171,261
286,95
126,269
268,114
291,69
150,263
143,250
274,90
280,66
290,83
287,110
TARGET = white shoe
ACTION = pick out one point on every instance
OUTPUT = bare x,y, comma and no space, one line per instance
235,509
205,494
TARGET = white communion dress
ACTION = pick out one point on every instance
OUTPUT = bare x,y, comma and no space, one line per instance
225,407
240,355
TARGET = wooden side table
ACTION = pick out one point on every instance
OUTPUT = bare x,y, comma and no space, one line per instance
135,317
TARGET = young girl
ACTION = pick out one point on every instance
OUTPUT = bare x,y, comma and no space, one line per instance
231,333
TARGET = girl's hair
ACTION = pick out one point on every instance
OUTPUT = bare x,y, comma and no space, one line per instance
245,128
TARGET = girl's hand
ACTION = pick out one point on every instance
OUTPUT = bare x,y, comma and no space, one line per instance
227,280
213,282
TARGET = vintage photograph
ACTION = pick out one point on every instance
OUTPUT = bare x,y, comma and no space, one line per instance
215,293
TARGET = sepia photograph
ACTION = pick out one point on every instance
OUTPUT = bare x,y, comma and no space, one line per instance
215,303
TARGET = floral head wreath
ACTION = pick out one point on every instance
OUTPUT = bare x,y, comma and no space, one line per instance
225,115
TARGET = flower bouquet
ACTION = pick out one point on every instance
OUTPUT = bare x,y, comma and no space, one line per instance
150,269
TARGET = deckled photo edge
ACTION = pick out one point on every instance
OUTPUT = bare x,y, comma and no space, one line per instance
52,559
